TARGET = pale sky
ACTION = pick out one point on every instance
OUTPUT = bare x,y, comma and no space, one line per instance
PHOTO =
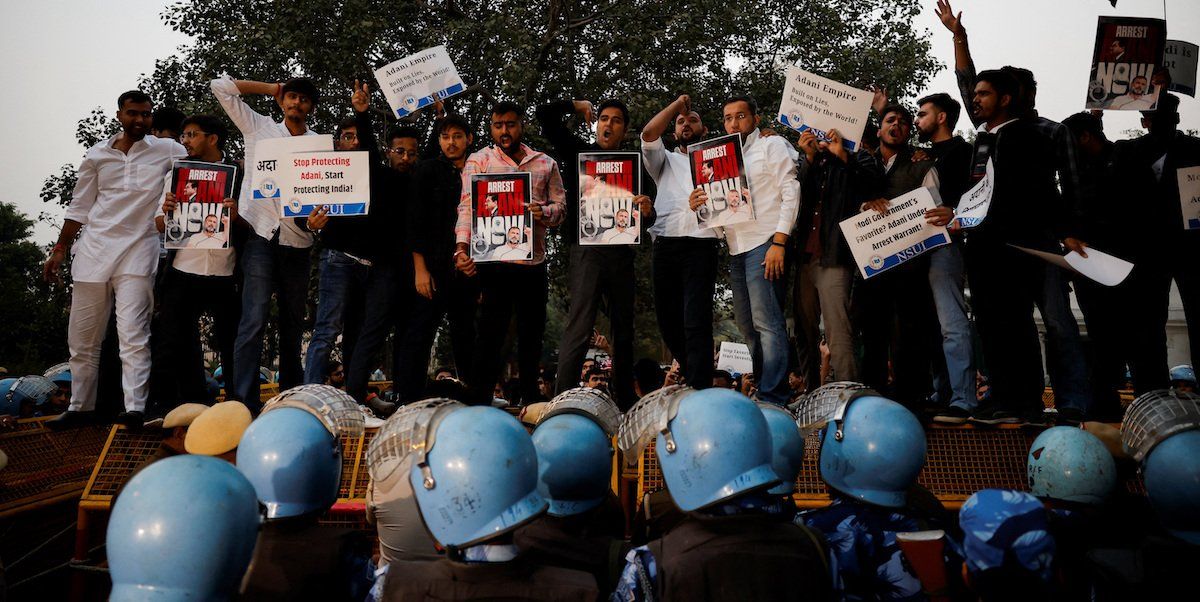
66,57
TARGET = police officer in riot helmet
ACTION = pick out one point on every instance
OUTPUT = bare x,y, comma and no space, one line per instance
737,541
1074,475
872,450
584,528
1162,431
182,529
294,461
787,448
475,482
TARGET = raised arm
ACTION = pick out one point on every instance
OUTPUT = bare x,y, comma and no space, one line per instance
229,91
657,126
554,116
360,99
964,66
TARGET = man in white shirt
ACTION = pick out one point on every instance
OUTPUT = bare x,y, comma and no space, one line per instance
685,256
197,281
513,249
208,238
621,233
118,187
275,259
758,248
1136,98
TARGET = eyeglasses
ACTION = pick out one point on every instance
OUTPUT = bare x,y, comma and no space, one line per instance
188,135
399,152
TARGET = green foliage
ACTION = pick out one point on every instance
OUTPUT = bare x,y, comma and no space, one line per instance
34,314
645,52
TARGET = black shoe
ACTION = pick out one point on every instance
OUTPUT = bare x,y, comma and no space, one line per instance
133,421
382,408
992,416
1069,416
1036,419
72,420
951,415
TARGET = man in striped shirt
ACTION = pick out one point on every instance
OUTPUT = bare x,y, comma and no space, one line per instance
510,287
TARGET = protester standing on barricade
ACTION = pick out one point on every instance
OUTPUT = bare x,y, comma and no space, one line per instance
366,249
510,288
118,188
758,248
436,187
597,272
1166,250
1066,363
685,256
196,281
834,185
954,379
275,259
895,309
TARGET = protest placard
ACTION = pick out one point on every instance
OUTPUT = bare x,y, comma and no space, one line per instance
1128,51
820,104
200,219
735,358
1189,196
501,220
418,80
882,242
269,155
1098,266
340,181
719,168
974,204
1180,60
608,182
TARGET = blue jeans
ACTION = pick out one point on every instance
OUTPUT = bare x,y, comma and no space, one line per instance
339,302
269,268
947,276
758,311
1064,353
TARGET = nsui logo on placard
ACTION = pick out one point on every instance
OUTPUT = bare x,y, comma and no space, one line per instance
875,261
294,204
410,102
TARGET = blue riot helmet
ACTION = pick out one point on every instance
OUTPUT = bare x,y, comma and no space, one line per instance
475,476
872,448
59,372
573,440
1183,375
712,445
33,391
183,528
293,461
7,407
1172,476
574,461
1070,464
1162,431
787,446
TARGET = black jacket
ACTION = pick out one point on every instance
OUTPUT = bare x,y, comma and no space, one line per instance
432,212
1026,208
565,147
838,190
953,161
